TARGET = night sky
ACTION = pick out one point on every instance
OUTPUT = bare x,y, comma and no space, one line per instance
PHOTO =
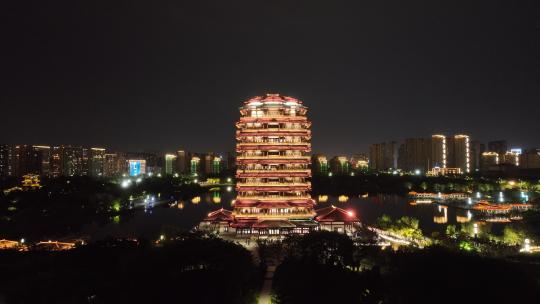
152,75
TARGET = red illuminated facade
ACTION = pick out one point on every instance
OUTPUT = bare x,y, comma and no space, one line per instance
273,157
273,175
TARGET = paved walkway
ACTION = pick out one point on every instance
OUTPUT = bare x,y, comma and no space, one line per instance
265,296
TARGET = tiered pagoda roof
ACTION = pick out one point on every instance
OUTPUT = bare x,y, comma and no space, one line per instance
273,163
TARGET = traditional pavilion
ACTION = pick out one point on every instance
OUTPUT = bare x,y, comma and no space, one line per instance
273,171
218,221
336,219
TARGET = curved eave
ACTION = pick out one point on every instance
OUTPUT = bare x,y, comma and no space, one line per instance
272,161
274,119
272,188
241,134
303,148
291,203
273,174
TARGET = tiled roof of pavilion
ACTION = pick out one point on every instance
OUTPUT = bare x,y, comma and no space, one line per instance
219,215
273,98
335,214
274,224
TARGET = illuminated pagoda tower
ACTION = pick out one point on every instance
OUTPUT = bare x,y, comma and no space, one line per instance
273,144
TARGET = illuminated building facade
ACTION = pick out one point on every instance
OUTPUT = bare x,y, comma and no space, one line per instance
438,151
436,171
320,165
111,165
459,153
340,165
195,165
212,164
85,168
359,162
216,165
136,167
273,144
530,159
96,162
43,155
170,164
337,220
182,158
30,181
72,160
55,163
512,157
18,160
6,161
489,159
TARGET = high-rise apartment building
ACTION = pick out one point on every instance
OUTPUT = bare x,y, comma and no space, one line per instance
195,165
439,151
183,160
477,148
6,161
136,167
214,165
489,159
96,162
511,157
340,165
55,163
170,164
383,156
71,159
111,166
530,159
26,160
415,154
459,153
43,155
319,164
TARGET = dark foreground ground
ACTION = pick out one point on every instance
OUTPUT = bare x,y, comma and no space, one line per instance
320,267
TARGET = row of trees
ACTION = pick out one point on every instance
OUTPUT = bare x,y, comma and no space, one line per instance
191,268
326,267
405,226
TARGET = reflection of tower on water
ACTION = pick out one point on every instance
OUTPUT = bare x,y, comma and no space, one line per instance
216,197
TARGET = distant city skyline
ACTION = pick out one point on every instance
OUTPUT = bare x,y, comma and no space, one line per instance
133,147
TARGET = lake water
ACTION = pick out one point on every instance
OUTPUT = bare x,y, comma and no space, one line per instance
153,221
